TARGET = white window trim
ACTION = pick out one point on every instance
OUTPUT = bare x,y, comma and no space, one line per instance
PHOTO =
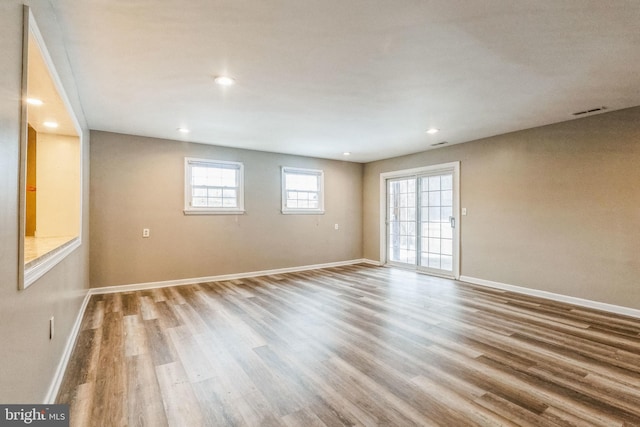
190,210
29,274
302,211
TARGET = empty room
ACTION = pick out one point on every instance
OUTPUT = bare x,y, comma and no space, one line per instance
337,213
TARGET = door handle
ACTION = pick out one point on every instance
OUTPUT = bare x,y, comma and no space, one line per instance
452,221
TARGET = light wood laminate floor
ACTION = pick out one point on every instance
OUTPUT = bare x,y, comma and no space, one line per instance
356,345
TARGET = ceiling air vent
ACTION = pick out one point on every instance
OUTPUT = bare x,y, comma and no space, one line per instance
439,143
593,110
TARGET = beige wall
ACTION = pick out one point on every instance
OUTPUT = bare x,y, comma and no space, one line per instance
28,359
555,208
58,178
138,183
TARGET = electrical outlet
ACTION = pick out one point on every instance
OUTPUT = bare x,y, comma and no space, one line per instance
146,232
51,327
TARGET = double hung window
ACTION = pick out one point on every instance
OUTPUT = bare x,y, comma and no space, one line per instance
213,187
302,191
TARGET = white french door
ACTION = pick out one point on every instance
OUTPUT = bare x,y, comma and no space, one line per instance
421,219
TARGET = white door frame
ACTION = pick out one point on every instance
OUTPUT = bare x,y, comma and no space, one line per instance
456,207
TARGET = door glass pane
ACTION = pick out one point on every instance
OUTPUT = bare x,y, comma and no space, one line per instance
433,229
434,214
446,246
446,181
436,199
434,246
447,198
446,231
434,183
401,219
445,213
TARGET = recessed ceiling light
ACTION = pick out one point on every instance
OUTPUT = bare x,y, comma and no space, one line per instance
346,153
34,101
224,81
51,125
183,130
433,130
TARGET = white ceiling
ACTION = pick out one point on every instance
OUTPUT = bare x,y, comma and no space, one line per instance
320,77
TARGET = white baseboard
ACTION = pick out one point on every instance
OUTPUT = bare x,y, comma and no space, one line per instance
167,283
611,308
54,387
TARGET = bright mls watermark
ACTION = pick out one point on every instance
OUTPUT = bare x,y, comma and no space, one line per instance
34,415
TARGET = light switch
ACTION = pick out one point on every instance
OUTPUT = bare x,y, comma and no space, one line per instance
464,211
336,226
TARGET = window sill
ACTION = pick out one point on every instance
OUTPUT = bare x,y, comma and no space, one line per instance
213,212
301,212
35,269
